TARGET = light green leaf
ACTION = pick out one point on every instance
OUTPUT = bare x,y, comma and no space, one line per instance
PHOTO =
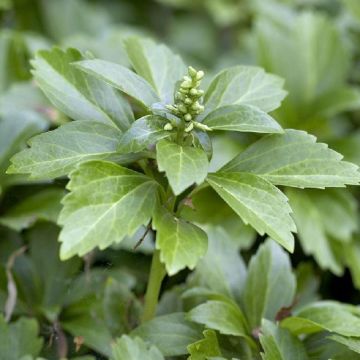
258,203
121,78
205,348
156,64
295,159
171,334
183,165
246,85
57,152
142,133
245,118
223,316
324,315
44,205
19,339
93,217
127,348
181,243
79,96
270,284
280,344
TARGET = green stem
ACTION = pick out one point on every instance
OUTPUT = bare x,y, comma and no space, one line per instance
157,274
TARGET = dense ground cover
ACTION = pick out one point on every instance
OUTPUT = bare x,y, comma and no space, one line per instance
195,200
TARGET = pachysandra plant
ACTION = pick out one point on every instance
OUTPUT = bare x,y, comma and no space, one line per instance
139,148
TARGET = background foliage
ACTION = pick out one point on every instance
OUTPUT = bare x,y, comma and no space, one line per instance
238,301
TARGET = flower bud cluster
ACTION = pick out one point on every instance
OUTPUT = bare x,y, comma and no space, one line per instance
188,101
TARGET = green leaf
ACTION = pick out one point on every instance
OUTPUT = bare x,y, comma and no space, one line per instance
324,315
93,217
270,284
43,279
183,165
205,348
156,64
245,85
318,54
223,316
15,129
351,343
121,78
19,339
121,307
181,243
295,159
127,348
143,132
322,217
245,118
57,152
79,96
222,270
171,334
280,344
258,203
44,205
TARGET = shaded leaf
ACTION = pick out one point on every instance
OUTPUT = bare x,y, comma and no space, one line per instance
127,348
270,284
19,339
205,348
44,205
171,334
280,344
223,316
324,315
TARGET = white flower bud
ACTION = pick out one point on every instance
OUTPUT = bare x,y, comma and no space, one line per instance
202,127
182,108
188,101
192,72
190,127
186,85
168,127
199,75
187,117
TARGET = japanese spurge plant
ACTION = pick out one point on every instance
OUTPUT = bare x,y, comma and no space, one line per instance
140,145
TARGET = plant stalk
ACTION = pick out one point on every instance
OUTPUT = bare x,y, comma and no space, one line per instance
157,274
